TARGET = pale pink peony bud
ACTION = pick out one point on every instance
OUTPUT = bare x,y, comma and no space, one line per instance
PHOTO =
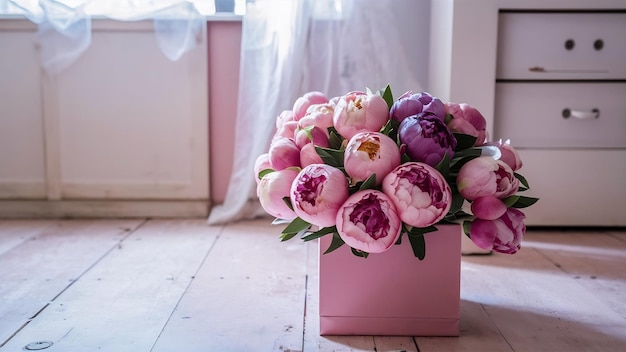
284,153
311,134
285,116
287,130
320,115
271,190
301,104
370,153
317,193
488,208
308,155
368,221
508,154
261,163
419,192
502,235
360,112
485,176
468,120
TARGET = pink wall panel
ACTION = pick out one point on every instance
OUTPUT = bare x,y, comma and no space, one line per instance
224,45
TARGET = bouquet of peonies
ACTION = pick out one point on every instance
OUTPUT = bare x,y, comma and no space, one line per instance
368,169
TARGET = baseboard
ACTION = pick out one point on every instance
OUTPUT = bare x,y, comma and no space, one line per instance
22,209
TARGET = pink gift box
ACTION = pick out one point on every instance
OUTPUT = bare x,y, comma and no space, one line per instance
392,293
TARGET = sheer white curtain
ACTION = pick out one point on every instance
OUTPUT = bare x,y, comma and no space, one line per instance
64,26
290,47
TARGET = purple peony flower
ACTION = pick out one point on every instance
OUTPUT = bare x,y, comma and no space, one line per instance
412,104
427,138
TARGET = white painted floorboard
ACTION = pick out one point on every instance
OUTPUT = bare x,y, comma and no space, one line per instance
182,285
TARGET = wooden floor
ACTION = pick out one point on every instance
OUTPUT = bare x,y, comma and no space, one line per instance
181,285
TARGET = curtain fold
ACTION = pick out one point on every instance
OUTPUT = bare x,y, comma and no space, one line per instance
64,31
292,47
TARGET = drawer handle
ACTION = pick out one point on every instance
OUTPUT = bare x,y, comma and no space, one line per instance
582,115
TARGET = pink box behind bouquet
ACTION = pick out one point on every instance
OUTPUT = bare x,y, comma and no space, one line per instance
392,293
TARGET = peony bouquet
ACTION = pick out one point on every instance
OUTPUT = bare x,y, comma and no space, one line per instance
367,169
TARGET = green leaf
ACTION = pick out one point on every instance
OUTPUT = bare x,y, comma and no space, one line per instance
294,228
520,201
319,233
444,165
388,96
287,201
522,180
466,227
457,202
463,141
359,253
265,172
473,152
370,183
334,139
335,243
418,244
331,157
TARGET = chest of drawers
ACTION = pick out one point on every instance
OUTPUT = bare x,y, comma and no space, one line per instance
560,96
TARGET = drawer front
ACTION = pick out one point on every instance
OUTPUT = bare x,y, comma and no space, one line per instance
561,46
556,115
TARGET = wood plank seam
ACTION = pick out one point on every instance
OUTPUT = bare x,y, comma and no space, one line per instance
113,247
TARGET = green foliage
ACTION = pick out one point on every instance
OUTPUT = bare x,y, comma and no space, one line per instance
331,157
335,243
265,172
388,96
295,227
516,201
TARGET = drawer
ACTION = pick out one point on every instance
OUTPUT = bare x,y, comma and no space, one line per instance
561,45
557,115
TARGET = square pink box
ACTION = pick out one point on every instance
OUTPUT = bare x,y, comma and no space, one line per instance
392,293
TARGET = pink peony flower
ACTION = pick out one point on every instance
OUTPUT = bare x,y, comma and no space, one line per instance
285,116
488,208
320,115
368,221
484,176
420,193
317,193
284,153
286,130
360,112
502,235
301,104
311,134
410,104
468,120
508,154
271,190
261,163
370,153
427,138
308,155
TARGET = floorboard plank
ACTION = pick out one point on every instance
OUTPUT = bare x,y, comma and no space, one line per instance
597,261
248,295
395,344
53,255
538,307
123,302
16,232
